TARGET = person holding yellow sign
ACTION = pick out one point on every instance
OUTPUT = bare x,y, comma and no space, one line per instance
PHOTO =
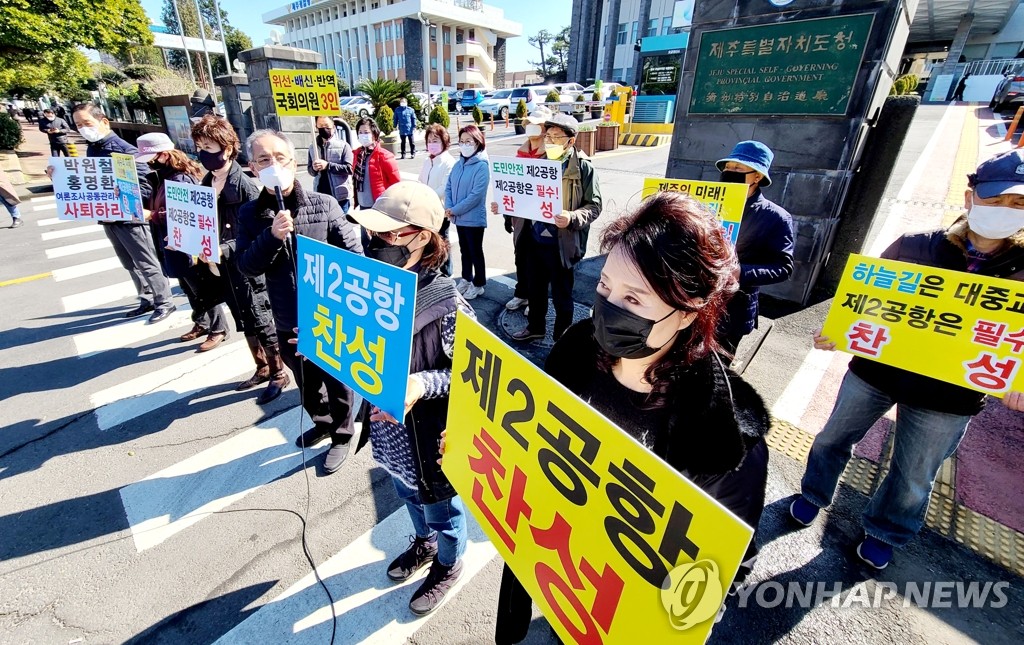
931,415
649,360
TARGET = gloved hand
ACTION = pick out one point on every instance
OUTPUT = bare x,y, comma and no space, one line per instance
508,224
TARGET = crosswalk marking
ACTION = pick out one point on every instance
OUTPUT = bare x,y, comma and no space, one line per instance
499,276
51,221
130,399
128,333
370,608
96,297
44,207
170,501
87,268
74,249
71,232
43,198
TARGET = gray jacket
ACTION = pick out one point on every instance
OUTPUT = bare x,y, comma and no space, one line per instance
338,155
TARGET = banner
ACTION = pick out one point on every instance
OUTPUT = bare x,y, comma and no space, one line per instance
126,177
725,200
305,92
85,188
591,522
356,319
192,225
962,328
527,188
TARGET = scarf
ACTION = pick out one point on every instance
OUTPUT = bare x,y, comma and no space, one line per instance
364,161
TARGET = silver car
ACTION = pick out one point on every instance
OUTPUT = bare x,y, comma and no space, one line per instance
1009,94
496,106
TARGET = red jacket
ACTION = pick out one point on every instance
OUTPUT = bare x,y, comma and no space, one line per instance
381,171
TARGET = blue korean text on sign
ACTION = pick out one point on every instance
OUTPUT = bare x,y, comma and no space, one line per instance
356,321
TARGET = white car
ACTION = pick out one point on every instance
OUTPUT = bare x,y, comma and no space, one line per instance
606,90
359,105
497,105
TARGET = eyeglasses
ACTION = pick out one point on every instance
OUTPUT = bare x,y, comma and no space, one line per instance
264,162
393,236
555,139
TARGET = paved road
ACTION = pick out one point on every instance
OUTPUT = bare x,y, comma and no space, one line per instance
143,500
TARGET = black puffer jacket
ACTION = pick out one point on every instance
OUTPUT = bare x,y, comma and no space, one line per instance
260,253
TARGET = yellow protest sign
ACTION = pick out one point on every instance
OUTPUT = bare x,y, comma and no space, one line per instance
591,522
724,199
305,92
962,328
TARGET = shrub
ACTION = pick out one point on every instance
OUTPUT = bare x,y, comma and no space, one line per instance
478,115
385,119
553,97
521,110
440,115
350,118
10,132
597,95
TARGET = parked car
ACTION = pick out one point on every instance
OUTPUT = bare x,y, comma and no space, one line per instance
359,105
496,106
569,91
465,100
606,90
532,95
1009,94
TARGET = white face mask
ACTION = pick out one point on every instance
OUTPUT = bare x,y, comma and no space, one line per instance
365,139
92,135
467,149
534,130
276,176
995,222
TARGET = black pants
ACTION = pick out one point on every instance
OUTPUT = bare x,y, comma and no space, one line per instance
546,269
447,268
326,400
133,246
412,143
471,247
522,256
57,148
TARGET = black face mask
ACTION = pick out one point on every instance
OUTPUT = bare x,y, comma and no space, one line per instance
325,133
735,176
394,255
157,165
621,333
212,160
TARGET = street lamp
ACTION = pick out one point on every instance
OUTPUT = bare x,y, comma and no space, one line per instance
351,81
426,54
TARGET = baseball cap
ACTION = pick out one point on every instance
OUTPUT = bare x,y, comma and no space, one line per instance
407,203
1003,174
754,154
565,122
539,115
152,143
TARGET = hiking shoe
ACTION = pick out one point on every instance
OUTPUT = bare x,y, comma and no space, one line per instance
421,552
515,303
802,511
874,552
440,580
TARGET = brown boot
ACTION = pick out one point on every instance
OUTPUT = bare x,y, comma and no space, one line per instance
262,374
212,341
279,378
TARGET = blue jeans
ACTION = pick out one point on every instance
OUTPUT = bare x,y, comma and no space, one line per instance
923,440
12,208
446,518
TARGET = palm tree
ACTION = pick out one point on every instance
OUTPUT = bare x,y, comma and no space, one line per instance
382,91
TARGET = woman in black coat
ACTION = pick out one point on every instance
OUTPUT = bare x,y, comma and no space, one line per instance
650,362
246,296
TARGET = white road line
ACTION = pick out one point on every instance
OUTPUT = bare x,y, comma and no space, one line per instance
128,400
71,232
799,392
52,221
96,297
410,176
44,207
499,276
128,333
74,249
370,608
168,502
87,268
44,198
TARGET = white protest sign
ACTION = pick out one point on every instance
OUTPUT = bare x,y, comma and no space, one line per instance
192,220
527,188
85,189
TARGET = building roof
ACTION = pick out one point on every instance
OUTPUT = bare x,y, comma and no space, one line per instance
937,20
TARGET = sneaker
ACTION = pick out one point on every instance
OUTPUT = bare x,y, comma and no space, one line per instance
420,553
874,552
526,312
802,511
462,285
473,291
515,303
524,335
440,580
17,222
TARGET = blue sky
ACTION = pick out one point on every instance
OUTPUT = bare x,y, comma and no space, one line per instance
533,14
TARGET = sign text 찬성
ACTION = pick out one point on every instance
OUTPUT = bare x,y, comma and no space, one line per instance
527,188
793,67
192,225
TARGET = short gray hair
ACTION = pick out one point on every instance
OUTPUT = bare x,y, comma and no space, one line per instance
259,134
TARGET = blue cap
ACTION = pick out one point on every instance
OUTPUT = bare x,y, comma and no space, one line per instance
1003,174
754,154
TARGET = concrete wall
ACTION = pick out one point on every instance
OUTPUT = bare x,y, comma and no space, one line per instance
815,156
237,106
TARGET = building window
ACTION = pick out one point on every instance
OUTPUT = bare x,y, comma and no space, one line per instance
433,34
632,38
374,5
448,65
433,62
447,33
620,37
652,27
666,25
376,34
472,34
